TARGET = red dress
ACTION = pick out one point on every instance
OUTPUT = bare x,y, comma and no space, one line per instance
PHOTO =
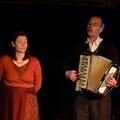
18,100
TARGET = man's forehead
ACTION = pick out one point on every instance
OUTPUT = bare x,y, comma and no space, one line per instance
95,18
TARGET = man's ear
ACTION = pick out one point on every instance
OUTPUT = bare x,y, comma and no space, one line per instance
101,29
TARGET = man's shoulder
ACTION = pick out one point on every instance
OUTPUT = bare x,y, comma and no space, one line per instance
106,41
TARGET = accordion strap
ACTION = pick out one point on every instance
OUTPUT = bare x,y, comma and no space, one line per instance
96,51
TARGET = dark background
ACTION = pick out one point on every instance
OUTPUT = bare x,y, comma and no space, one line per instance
52,30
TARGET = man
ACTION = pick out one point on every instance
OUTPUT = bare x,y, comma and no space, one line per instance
88,105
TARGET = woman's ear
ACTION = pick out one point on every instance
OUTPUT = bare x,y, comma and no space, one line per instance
12,43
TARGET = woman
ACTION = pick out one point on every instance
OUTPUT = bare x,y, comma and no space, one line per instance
21,78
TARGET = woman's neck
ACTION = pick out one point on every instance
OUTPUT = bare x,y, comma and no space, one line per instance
20,56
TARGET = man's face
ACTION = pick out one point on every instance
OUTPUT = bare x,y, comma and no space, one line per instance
94,27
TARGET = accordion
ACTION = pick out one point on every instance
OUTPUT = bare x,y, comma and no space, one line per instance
93,71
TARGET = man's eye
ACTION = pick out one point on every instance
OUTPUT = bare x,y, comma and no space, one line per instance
95,24
89,23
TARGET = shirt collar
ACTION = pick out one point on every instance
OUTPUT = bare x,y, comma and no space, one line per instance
97,41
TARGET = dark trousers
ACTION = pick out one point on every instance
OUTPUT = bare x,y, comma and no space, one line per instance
90,107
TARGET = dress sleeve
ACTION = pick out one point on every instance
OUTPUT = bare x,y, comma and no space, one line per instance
1,69
37,76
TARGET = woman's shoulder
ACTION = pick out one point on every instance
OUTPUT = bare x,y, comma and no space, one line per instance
5,57
34,59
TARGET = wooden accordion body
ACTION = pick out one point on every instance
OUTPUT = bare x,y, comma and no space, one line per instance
93,71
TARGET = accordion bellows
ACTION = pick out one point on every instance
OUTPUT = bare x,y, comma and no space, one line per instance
93,71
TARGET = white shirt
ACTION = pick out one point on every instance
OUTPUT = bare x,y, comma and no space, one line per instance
94,46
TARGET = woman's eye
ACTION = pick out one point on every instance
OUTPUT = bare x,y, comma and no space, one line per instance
25,42
22,42
19,42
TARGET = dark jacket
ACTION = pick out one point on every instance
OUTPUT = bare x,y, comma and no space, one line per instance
105,49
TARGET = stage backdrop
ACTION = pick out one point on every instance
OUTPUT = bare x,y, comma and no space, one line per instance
52,30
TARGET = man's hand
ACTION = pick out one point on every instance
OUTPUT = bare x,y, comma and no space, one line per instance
111,82
72,75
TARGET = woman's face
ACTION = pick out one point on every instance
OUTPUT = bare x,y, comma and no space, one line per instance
20,44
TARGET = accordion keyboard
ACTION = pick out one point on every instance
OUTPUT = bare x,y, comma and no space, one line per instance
83,71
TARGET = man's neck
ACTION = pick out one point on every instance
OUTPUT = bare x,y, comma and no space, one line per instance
92,39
